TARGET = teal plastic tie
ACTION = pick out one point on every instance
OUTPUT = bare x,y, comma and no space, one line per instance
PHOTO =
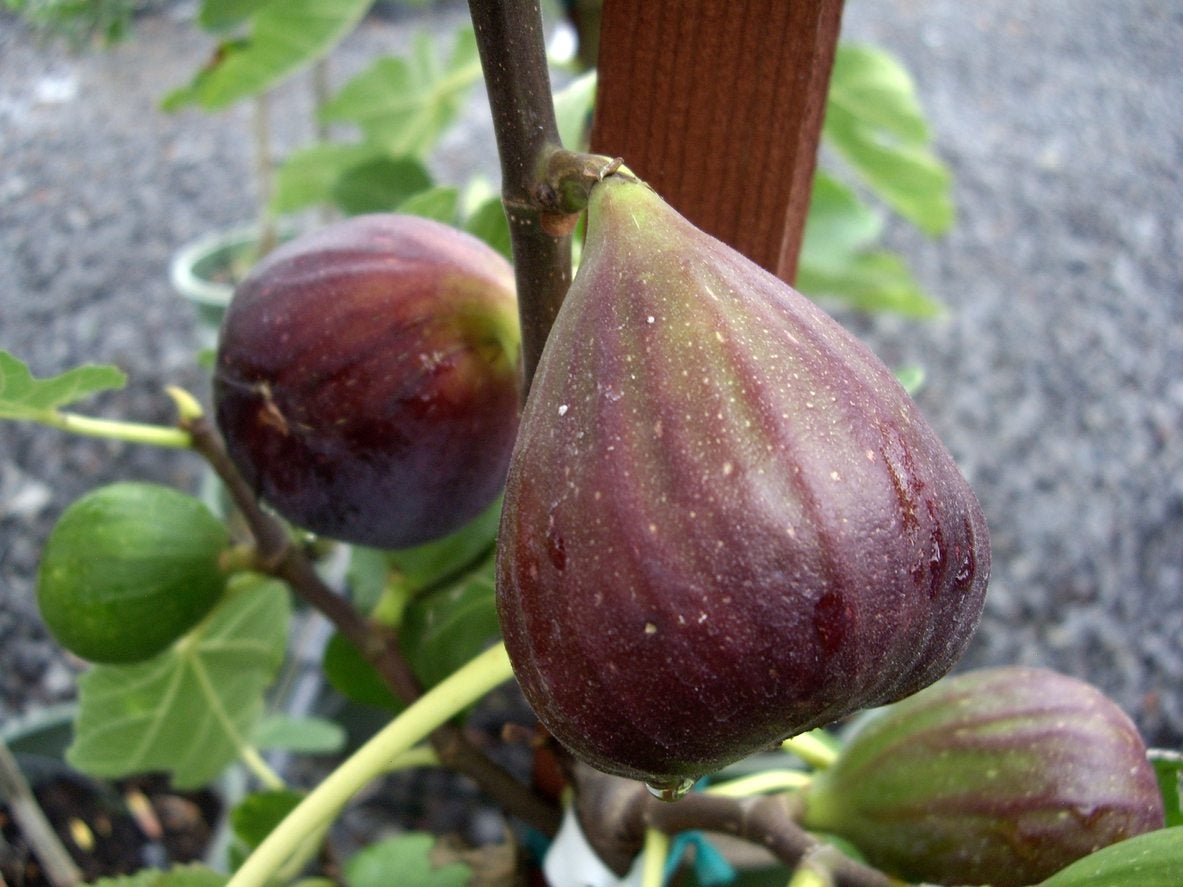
711,868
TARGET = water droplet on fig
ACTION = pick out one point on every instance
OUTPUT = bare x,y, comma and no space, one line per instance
671,789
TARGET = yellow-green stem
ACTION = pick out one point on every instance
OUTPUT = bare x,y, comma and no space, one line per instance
810,748
806,876
254,762
653,856
451,696
111,429
420,756
761,783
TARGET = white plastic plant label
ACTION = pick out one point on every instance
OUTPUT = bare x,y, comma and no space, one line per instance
571,861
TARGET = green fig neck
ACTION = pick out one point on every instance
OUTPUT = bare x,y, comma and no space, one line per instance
624,200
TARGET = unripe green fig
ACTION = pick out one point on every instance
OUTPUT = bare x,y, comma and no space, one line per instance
367,379
725,522
1000,776
128,569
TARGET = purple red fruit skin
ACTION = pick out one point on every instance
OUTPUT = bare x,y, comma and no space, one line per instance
1000,775
725,522
367,381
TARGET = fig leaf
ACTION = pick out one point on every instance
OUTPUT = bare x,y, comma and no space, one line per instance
191,710
403,104
875,123
410,856
22,396
284,38
1154,859
178,876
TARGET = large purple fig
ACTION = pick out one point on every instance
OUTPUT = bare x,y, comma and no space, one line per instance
725,522
1000,776
367,379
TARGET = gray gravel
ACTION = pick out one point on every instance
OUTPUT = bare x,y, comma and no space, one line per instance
1055,378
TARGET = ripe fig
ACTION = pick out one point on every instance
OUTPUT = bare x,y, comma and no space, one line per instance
725,522
128,569
1000,776
367,379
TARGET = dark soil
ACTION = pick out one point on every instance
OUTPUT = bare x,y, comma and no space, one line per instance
102,835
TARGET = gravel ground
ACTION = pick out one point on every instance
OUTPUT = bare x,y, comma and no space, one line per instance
1055,378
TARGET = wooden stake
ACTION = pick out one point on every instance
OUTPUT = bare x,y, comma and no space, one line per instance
718,105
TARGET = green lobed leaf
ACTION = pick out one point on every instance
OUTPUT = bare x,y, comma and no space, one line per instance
573,108
308,175
410,856
253,818
878,90
367,576
910,377
285,36
488,222
1153,859
178,876
873,120
379,184
348,672
838,223
219,15
404,104
432,562
447,627
307,735
836,260
440,203
869,281
1168,770
24,397
191,710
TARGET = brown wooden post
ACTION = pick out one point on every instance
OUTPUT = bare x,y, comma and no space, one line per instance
718,105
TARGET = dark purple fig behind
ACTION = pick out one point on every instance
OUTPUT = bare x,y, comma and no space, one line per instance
367,379
1000,776
725,522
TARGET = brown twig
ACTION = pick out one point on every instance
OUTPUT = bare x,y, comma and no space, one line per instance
616,812
513,57
15,793
277,555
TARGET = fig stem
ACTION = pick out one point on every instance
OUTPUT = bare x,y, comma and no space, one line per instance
254,762
654,854
16,794
616,815
767,821
761,783
279,557
421,718
811,749
114,429
513,57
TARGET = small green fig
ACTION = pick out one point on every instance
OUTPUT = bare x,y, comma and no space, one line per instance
128,569
725,522
1000,776
367,379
